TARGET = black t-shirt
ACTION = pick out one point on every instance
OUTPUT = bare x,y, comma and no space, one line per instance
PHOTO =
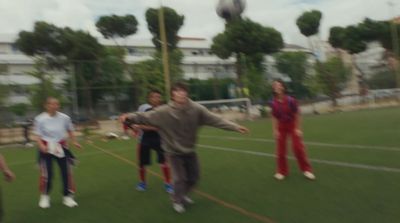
150,136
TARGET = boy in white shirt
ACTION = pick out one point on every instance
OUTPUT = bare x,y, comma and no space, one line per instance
51,128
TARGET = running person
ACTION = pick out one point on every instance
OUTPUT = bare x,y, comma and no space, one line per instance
150,140
51,128
178,123
286,122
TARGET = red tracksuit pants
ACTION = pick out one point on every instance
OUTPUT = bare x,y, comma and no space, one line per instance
287,130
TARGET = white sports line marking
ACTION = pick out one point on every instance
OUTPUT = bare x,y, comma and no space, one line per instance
81,155
386,148
333,163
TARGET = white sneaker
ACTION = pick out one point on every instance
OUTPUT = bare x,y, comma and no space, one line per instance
178,208
188,200
44,201
279,176
309,175
69,202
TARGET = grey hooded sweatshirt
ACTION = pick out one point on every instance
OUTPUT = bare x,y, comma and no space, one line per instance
178,126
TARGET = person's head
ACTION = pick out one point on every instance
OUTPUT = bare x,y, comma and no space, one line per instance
52,105
154,98
179,93
278,87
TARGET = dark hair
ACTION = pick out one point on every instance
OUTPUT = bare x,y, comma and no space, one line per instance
282,83
152,91
180,86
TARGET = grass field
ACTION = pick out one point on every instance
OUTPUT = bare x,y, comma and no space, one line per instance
356,157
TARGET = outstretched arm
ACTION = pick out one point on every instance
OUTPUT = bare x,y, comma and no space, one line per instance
8,174
211,119
151,118
73,139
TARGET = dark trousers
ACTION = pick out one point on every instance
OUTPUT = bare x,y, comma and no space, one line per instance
46,173
185,174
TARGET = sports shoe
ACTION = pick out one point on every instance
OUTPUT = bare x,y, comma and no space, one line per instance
168,188
188,200
141,186
279,176
69,201
309,175
44,201
178,208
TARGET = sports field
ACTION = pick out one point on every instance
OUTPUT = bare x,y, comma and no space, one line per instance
355,155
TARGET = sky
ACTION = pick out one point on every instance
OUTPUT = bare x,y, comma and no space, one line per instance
201,19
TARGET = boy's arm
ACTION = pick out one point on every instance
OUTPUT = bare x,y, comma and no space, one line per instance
275,130
71,136
8,174
152,118
209,118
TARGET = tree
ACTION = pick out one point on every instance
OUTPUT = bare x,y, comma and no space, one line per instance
350,39
4,88
63,48
383,80
173,22
308,24
332,76
19,109
146,75
294,64
247,40
117,26
45,88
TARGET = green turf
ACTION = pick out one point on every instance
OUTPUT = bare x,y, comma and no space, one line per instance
341,194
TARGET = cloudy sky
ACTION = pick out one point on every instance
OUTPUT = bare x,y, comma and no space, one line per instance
200,17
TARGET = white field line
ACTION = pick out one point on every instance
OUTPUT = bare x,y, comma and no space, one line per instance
333,163
81,155
331,145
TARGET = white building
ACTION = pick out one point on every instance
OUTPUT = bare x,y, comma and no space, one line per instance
198,62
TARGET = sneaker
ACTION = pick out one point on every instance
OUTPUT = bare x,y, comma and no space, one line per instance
69,202
188,200
279,176
309,175
44,201
141,186
178,208
168,188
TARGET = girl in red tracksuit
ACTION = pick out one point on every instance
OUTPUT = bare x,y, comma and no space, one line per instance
285,123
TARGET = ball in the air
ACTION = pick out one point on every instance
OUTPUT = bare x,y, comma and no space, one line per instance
229,9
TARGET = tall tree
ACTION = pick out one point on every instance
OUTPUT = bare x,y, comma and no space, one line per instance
45,88
246,39
308,24
294,64
63,48
115,26
332,76
350,39
4,88
173,22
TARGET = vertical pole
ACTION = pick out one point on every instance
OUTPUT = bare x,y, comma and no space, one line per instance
75,109
164,50
395,43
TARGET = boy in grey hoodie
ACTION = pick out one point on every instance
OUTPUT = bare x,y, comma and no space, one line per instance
178,123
